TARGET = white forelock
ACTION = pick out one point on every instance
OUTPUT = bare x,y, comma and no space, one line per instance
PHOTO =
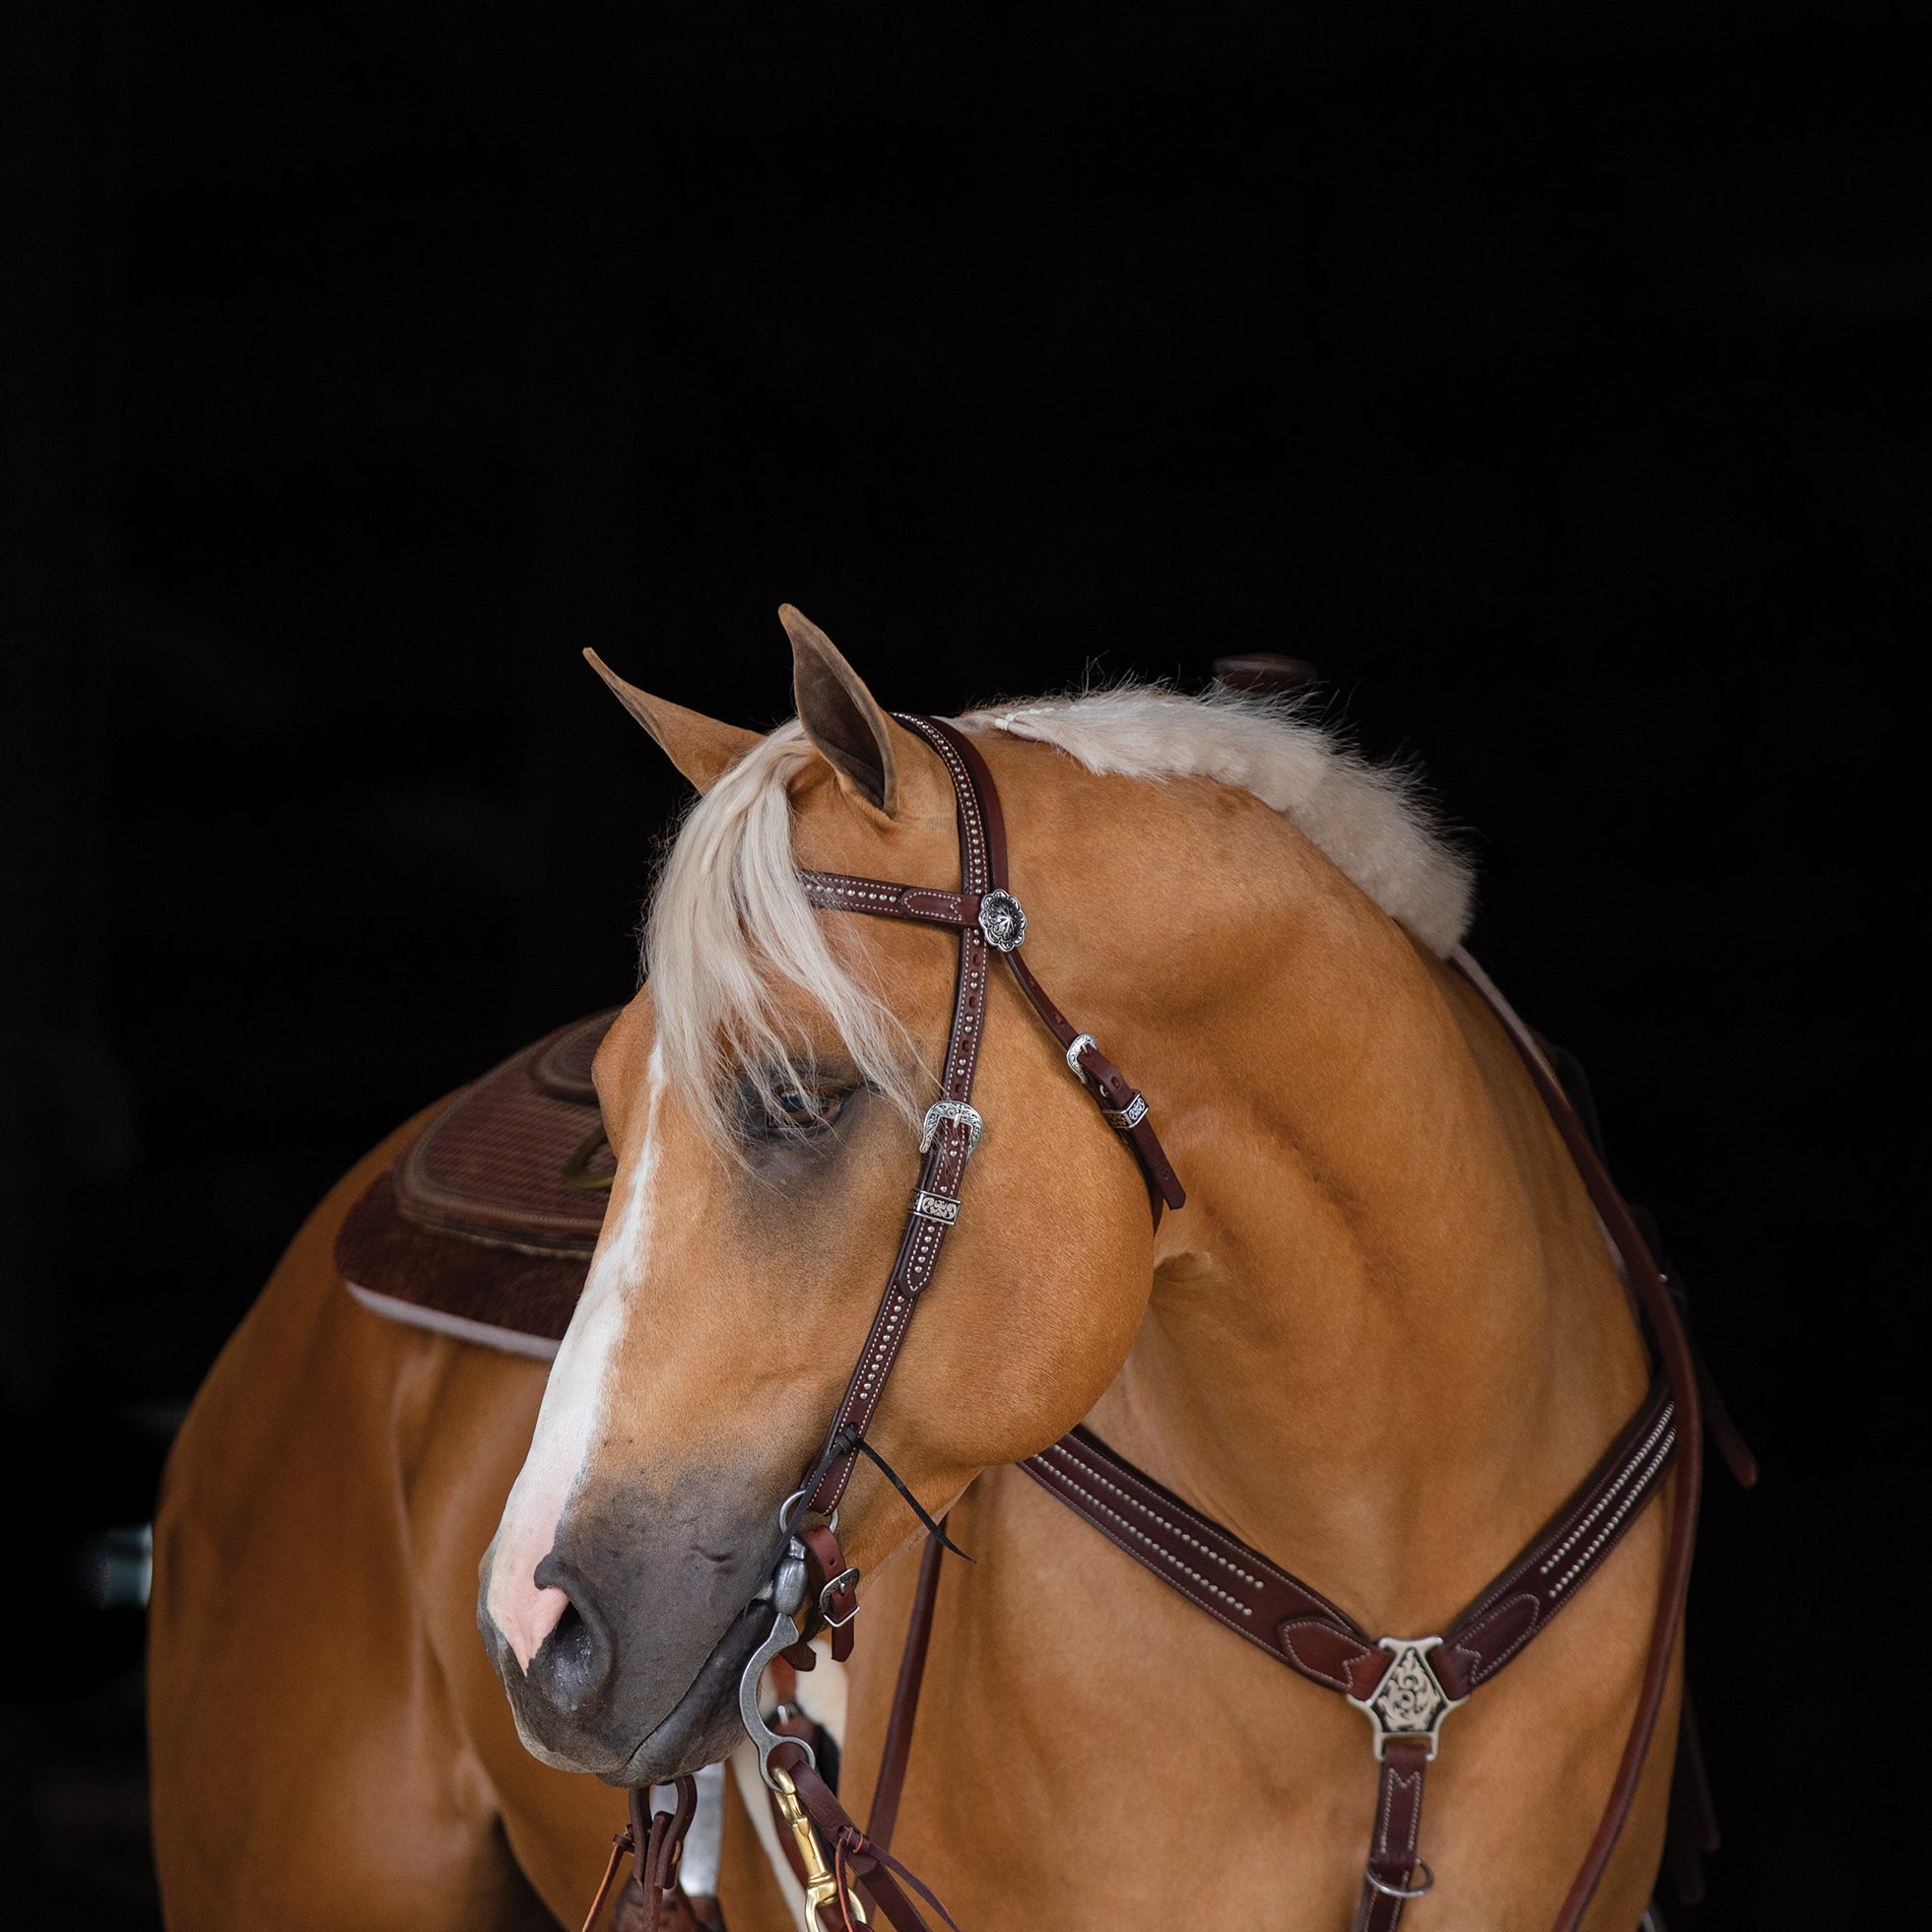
730,925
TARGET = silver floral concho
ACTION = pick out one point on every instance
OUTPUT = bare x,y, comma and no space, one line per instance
1410,1700
1002,920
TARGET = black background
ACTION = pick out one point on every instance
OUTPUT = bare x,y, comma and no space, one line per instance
1554,378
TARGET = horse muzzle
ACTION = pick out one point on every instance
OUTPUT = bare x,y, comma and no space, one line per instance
635,1680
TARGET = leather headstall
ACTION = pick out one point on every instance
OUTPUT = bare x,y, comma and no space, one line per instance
989,920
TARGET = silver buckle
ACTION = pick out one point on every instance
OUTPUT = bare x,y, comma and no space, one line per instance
1002,920
843,1578
952,1110
1421,1891
1410,1700
1074,1052
941,1208
1128,1117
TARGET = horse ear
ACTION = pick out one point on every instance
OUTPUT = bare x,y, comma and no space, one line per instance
702,748
839,716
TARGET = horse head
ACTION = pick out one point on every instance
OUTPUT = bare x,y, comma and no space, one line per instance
763,1095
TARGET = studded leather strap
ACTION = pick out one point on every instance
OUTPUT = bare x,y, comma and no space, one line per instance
1294,1624
1121,1103
950,1140
936,1200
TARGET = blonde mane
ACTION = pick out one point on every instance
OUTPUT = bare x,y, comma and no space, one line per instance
730,925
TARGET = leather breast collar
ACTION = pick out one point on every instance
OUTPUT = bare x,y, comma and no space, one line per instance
1405,1685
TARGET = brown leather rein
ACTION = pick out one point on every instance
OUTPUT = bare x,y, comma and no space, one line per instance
1405,1685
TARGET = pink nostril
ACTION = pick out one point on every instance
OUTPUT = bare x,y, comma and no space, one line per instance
524,1610
541,1616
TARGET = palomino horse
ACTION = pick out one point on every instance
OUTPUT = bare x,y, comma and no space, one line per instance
1382,1343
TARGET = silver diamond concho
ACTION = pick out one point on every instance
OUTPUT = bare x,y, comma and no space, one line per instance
1002,920
1410,1700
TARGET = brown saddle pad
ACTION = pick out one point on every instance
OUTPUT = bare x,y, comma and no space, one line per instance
482,1227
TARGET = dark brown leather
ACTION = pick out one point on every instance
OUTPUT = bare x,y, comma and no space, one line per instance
832,1588
483,1226
942,1170
858,1858
1110,1089
1238,1586
1521,1602
843,892
1392,1844
839,891
905,1698
676,1912
1112,1092
1279,1614
653,1901
1673,1343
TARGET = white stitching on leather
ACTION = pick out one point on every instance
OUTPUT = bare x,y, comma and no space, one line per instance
1610,1495
1127,1528
1173,1529
1629,1503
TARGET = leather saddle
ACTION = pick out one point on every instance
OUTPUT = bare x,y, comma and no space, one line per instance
483,1226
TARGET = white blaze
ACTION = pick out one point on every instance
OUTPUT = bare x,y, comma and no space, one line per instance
572,1406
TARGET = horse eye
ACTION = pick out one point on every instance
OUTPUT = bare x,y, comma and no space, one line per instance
802,1110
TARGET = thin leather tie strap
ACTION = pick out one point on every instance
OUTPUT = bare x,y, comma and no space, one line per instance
905,1699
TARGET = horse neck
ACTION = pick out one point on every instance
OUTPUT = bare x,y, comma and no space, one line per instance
1384,1337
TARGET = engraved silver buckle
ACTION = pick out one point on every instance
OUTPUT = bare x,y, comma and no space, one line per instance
1128,1117
1002,920
952,1110
1074,1052
830,1590
941,1208
1410,1700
